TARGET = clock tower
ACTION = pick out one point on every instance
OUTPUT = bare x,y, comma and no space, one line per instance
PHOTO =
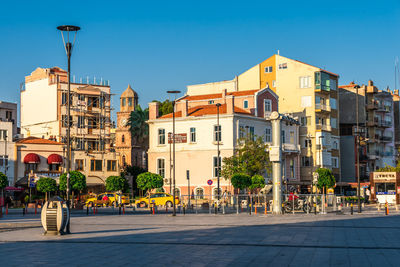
130,153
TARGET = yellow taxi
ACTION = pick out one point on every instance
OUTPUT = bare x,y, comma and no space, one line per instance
107,199
162,199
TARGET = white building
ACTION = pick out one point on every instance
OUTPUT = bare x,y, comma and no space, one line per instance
198,134
8,130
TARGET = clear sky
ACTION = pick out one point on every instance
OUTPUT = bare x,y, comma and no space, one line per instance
161,45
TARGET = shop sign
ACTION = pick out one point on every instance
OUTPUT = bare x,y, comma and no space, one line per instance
179,138
384,176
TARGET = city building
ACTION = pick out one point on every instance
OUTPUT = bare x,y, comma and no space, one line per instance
305,91
198,134
8,132
44,115
376,130
131,150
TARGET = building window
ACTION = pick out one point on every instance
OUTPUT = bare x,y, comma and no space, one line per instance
241,131
123,160
267,105
79,164
81,98
291,167
335,162
283,168
332,103
161,136
161,167
123,138
283,137
268,135
54,167
245,104
307,143
216,166
211,102
305,121
64,119
81,122
252,133
63,98
273,83
111,165
333,84
305,82
193,135
333,123
96,165
28,166
3,135
283,66
93,102
130,101
306,161
217,133
268,69
291,137
199,193
9,115
80,144
335,144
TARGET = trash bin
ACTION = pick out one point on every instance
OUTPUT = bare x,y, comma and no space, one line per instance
54,216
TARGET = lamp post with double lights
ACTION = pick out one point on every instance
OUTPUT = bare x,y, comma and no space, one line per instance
219,137
357,135
173,146
68,45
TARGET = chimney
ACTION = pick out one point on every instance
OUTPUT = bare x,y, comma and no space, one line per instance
370,83
230,104
153,110
183,106
396,92
224,96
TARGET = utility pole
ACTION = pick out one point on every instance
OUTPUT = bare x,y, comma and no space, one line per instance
357,134
218,152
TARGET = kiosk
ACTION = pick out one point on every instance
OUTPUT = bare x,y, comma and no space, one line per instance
385,187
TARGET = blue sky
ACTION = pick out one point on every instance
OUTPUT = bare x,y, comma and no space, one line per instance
161,45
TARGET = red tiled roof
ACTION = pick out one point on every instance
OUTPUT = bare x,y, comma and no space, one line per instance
36,140
214,96
205,110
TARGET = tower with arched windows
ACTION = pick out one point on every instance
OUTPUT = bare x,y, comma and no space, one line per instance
130,152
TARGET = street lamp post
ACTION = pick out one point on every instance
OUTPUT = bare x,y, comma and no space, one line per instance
68,49
173,146
321,150
218,152
357,151
170,165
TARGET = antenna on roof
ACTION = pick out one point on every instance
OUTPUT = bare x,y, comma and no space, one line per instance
278,51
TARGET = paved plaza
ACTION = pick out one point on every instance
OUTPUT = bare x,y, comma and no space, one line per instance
206,240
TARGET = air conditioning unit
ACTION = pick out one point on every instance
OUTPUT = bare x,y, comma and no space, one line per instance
166,181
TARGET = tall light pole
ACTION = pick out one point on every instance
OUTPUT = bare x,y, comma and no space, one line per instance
357,151
218,152
68,49
173,145
276,158
170,165
321,149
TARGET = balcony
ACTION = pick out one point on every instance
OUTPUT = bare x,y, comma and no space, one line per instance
386,124
323,127
386,139
372,106
322,108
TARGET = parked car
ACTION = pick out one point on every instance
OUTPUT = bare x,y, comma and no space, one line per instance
163,199
111,200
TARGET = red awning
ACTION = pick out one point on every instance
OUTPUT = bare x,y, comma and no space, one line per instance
54,159
355,185
31,158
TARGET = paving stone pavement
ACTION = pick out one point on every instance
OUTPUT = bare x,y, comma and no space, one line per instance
209,240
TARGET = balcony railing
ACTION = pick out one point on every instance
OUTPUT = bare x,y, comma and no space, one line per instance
288,147
321,107
324,127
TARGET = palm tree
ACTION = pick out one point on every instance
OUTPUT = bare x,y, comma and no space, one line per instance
138,125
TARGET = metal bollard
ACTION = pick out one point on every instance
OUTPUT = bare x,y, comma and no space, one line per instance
123,209
35,208
154,208
215,209
23,211
184,209
6,209
119,210
87,210
351,208
283,208
265,208
315,208
223,209
386,208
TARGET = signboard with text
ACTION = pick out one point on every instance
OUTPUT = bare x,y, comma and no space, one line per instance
179,138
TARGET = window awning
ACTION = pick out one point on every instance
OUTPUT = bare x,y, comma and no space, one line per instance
54,159
31,158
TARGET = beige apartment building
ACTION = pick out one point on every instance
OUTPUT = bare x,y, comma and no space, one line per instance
305,91
197,137
43,115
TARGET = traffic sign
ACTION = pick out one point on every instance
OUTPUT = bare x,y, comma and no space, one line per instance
32,182
210,182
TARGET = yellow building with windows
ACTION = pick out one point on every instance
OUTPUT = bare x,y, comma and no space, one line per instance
305,91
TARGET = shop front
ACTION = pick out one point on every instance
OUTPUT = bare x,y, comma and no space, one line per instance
385,187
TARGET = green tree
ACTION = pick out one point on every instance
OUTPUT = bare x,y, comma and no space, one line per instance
149,181
46,185
117,183
77,182
257,182
166,107
132,172
251,158
241,180
137,124
325,178
3,183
